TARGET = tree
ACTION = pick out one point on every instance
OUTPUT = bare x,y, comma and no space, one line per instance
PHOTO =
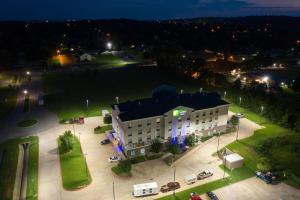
156,145
234,120
67,141
174,148
264,164
125,165
190,140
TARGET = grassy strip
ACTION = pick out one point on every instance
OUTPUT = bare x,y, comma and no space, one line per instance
27,123
234,176
74,169
102,129
33,167
9,167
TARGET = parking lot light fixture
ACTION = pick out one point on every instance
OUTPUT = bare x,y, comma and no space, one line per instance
109,46
225,95
117,99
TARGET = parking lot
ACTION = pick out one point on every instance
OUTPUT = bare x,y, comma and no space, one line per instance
155,170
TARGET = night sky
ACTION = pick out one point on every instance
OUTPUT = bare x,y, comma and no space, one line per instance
142,9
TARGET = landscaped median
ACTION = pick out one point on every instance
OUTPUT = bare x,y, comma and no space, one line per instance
234,176
74,169
10,152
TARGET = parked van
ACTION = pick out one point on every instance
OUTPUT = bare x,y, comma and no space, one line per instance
190,179
145,189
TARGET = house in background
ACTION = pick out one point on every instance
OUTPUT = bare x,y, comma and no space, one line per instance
169,118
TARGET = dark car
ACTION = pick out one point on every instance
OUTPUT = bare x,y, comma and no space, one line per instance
106,141
212,196
170,187
266,178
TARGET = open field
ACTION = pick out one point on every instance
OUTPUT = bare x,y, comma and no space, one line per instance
9,167
74,170
284,156
66,93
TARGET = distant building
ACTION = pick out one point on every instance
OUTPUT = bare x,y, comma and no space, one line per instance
86,57
170,117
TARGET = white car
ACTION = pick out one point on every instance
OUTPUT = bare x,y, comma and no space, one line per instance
114,159
239,115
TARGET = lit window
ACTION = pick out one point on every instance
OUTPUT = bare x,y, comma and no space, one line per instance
158,120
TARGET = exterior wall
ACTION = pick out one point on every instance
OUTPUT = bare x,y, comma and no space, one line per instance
136,135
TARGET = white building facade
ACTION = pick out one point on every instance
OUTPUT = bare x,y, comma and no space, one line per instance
137,123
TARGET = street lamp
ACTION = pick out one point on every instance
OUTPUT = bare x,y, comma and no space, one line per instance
201,90
181,91
87,103
109,45
240,100
174,179
117,99
28,73
79,136
224,158
25,92
225,94
261,113
86,171
218,142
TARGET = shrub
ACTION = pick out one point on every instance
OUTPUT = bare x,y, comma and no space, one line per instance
264,164
107,119
190,140
125,165
234,120
156,145
138,159
174,148
67,141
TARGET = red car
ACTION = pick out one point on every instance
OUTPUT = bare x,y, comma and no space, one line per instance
170,187
195,196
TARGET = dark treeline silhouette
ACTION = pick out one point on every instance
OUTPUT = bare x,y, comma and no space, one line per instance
39,40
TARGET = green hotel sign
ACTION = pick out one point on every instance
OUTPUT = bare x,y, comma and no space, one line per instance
178,112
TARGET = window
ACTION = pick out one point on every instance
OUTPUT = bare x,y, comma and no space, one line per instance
140,125
170,122
217,110
149,123
157,129
203,121
169,129
149,130
179,127
130,134
211,112
140,132
140,140
203,114
179,119
129,141
149,137
129,126
216,118
210,120
197,121
158,120
203,127
188,118
197,115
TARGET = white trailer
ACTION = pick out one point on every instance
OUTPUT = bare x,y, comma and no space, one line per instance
190,179
145,189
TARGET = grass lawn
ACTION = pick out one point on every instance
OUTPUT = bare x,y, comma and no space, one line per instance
102,129
283,156
66,93
74,170
8,97
9,167
27,123
109,60
234,176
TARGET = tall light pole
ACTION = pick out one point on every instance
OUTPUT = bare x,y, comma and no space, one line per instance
174,179
201,90
181,91
218,143
261,113
237,130
117,99
86,171
79,136
114,191
87,103
224,158
225,95
109,46
240,99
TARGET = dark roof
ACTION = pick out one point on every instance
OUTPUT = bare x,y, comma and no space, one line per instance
150,107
